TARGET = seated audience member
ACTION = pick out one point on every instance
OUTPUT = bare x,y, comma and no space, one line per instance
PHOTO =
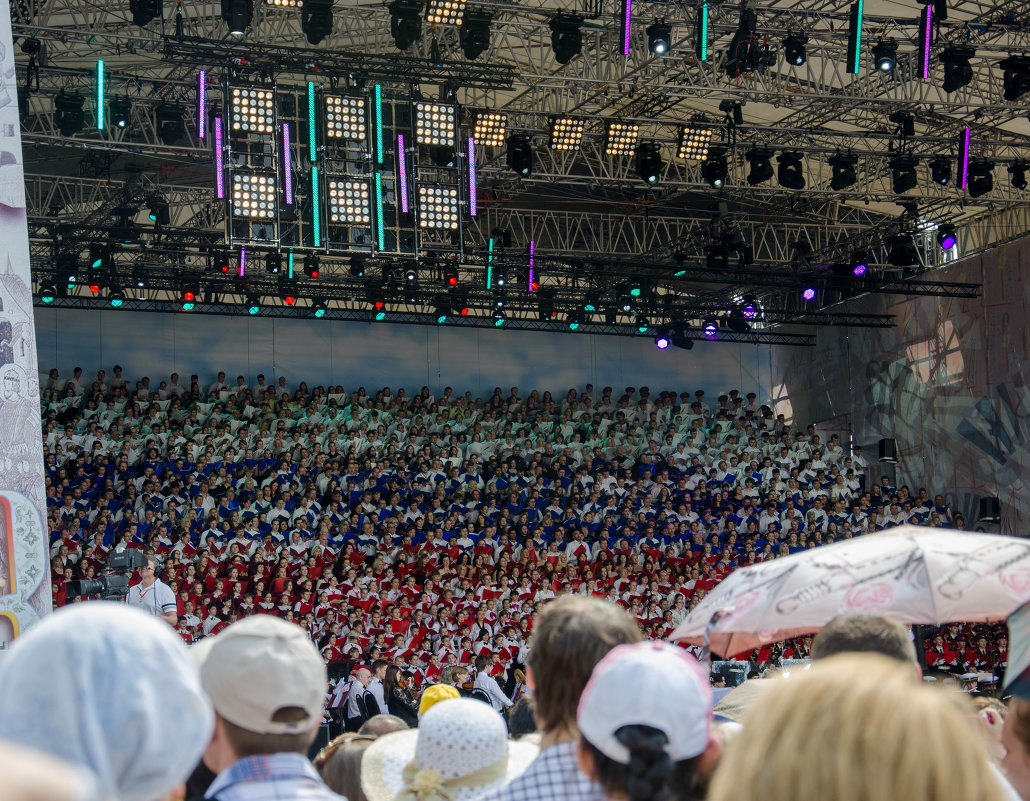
267,683
339,764
570,636
865,632
881,737
654,760
383,724
112,690
459,752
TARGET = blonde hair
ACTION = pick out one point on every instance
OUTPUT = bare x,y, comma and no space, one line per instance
855,727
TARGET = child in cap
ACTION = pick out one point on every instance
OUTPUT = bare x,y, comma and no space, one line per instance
645,722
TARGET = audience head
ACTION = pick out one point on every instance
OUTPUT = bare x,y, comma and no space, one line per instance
111,689
434,695
339,764
268,683
382,724
459,752
521,720
570,636
881,737
868,632
644,721
1015,739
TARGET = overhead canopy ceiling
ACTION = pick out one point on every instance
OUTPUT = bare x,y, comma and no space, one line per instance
594,224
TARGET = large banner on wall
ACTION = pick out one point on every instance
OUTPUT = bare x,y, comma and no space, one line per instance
24,555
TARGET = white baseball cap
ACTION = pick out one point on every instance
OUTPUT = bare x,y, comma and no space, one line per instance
649,684
258,666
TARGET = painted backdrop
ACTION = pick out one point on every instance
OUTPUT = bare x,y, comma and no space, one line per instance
24,563
948,382
375,355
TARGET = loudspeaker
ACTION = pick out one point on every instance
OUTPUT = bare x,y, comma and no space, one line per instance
888,451
990,511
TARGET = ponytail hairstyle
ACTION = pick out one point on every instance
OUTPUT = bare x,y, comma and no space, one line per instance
650,775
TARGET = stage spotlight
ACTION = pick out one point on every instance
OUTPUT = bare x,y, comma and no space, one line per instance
499,318
642,324
981,177
662,341
566,37
621,138
958,72
902,251
171,124
441,314
319,308
761,170
946,236
903,173
694,143
119,110
47,295
491,128
790,172
253,305
574,322
659,37
474,35
710,329
859,263
885,55
237,15
794,50
405,22
116,298
145,11
311,266
357,267
188,300
648,162
843,167
1016,76
940,170
749,310
808,293
714,169
288,298
159,212
68,114
273,263
451,277
567,133
520,154
737,323
1018,173
316,19
445,12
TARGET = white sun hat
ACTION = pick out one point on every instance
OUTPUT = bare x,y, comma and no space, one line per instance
459,752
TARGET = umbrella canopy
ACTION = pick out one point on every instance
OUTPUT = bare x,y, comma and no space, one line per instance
914,574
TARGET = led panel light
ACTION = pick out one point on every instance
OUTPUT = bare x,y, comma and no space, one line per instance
435,124
694,143
438,207
445,12
253,110
284,3
350,202
621,139
345,118
491,128
253,196
566,133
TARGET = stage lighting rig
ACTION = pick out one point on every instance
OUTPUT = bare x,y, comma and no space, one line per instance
958,72
1017,172
68,114
760,169
746,52
903,173
794,50
981,177
520,154
145,11
843,174
566,37
940,170
659,37
621,138
1016,76
648,162
474,35
790,170
714,169
316,19
405,22
237,15
885,55
491,128
567,133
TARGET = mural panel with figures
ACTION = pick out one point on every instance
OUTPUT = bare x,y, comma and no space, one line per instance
24,594
949,382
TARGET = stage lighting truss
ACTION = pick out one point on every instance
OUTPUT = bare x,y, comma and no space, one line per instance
694,143
253,196
491,128
445,12
345,119
252,111
349,202
566,133
438,207
435,124
621,139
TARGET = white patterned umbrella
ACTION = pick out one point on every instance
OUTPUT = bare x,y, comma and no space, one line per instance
914,574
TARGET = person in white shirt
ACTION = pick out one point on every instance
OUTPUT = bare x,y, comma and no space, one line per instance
484,682
153,595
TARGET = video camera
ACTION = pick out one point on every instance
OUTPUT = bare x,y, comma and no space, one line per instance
113,584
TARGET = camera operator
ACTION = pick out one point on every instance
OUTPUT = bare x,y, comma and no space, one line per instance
153,595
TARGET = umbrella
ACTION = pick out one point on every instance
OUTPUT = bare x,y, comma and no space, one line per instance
914,574
1017,672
